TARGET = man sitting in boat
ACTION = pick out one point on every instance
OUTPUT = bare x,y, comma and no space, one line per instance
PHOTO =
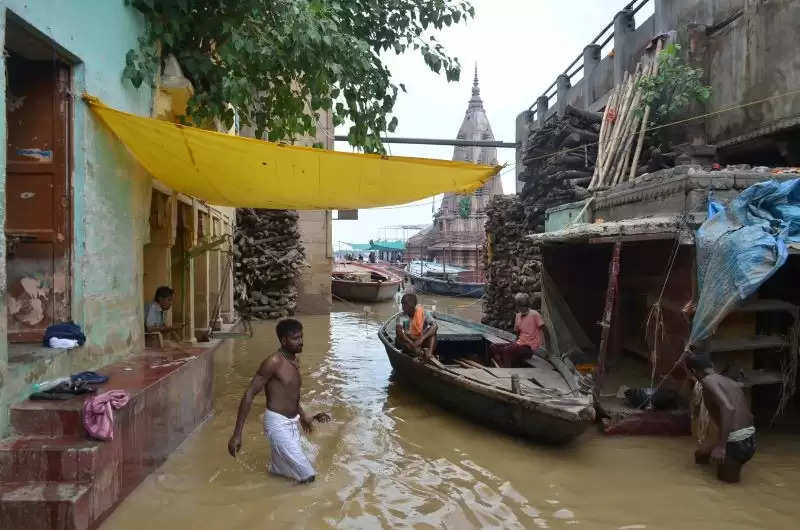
530,329
416,330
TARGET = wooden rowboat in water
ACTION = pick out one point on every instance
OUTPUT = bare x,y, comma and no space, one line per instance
549,406
359,284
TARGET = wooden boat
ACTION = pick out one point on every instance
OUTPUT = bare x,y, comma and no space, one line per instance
360,284
551,406
435,279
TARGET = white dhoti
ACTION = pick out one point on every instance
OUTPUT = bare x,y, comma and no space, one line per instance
288,458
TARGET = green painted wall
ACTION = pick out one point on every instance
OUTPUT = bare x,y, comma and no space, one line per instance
110,195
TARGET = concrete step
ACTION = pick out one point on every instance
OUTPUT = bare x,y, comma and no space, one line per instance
35,459
754,342
765,304
48,418
45,505
759,377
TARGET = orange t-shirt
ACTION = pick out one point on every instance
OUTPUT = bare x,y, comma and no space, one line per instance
529,327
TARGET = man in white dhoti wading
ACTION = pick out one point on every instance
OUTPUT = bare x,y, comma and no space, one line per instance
279,376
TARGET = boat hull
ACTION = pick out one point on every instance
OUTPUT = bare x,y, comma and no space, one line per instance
446,288
486,405
364,291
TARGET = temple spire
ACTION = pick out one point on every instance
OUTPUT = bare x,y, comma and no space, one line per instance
476,91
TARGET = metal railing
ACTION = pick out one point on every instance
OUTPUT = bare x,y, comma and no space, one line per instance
550,92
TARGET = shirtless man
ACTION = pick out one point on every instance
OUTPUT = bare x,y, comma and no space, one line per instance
279,376
728,409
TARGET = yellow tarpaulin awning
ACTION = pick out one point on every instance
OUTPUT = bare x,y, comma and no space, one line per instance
235,171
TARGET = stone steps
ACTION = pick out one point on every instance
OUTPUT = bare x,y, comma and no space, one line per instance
48,418
52,476
52,505
36,459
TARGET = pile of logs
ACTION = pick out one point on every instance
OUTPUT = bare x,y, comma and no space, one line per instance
559,161
512,263
268,257
624,125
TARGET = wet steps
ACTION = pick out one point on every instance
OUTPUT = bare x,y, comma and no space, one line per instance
53,476
53,505
25,458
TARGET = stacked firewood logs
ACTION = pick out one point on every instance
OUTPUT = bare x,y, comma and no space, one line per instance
268,258
559,161
512,263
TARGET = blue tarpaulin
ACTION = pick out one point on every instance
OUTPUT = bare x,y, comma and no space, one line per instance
740,246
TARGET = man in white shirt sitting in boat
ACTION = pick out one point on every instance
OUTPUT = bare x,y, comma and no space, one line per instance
531,331
416,330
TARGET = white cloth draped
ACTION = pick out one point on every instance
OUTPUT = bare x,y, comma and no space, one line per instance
288,458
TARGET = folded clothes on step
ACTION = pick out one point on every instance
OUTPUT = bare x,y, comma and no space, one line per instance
64,344
64,330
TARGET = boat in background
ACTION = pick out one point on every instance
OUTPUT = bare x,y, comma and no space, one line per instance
547,402
446,280
363,283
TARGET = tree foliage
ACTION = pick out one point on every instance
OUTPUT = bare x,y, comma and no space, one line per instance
278,63
669,92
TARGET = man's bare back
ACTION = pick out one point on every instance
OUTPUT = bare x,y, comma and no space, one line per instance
728,408
717,384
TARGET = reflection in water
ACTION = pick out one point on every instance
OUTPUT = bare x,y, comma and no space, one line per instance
393,459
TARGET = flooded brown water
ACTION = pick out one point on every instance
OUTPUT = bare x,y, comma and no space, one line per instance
391,459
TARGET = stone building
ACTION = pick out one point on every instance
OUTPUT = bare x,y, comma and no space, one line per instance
457,234
89,235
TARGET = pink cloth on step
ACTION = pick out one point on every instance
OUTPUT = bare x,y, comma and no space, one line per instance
98,413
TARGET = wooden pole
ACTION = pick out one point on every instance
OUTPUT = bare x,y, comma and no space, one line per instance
611,299
608,155
622,118
645,117
604,127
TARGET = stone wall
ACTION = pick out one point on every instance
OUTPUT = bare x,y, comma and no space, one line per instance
746,47
110,196
110,192
314,284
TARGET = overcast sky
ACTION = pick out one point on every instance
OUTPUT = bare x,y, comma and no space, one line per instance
520,46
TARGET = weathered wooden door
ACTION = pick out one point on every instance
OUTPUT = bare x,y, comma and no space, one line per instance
37,228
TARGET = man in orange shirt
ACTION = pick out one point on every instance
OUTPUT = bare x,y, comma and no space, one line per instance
416,330
530,329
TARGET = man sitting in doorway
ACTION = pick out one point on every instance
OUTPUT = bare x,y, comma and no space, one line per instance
416,330
155,314
728,408
530,329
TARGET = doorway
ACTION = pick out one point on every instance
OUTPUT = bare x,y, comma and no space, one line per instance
38,200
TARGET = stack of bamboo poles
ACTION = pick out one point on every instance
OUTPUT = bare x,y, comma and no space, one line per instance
622,126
